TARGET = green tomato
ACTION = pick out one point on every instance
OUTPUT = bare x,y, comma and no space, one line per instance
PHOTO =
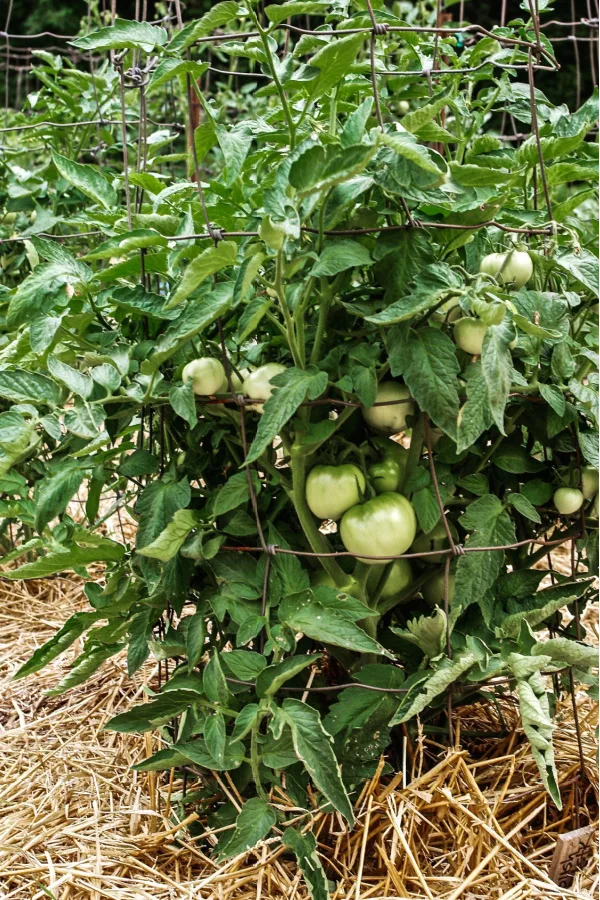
436,539
389,419
401,575
594,509
206,375
568,500
387,473
383,526
331,490
236,381
517,270
433,589
469,334
492,263
257,385
352,587
403,107
513,268
589,482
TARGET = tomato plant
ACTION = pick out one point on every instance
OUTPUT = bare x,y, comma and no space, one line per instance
213,324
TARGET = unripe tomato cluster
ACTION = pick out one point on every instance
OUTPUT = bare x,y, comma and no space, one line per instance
513,269
378,528
569,500
375,520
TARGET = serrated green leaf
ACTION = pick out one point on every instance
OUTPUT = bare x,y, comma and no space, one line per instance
305,848
168,543
315,748
123,34
58,643
254,822
431,685
219,14
428,289
86,179
430,371
283,403
273,677
54,492
210,261
477,572
104,550
21,386
339,255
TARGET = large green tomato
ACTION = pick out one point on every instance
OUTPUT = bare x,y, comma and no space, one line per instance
206,375
387,473
436,539
589,482
568,500
383,526
257,385
433,589
389,419
399,578
331,490
469,334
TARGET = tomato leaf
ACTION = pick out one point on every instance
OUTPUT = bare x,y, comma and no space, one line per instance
86,179
254,822
291,389
430,371
315,748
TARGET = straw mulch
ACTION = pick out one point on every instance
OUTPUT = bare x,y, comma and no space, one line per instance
76,823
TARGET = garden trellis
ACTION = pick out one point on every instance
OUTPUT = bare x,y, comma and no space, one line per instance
141,51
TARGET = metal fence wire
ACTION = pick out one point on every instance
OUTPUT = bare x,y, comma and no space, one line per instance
539,58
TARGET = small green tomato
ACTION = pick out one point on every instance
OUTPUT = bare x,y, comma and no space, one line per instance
517,270
568,500
389,419
321,577
236,381
331,490
399,578
206,375
469,334
257,385
589,482
513,268
433,589
387,473
436,539
491,264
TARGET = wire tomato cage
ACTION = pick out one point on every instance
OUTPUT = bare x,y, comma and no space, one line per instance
539,58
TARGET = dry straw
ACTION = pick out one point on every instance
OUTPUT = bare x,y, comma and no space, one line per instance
76,823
